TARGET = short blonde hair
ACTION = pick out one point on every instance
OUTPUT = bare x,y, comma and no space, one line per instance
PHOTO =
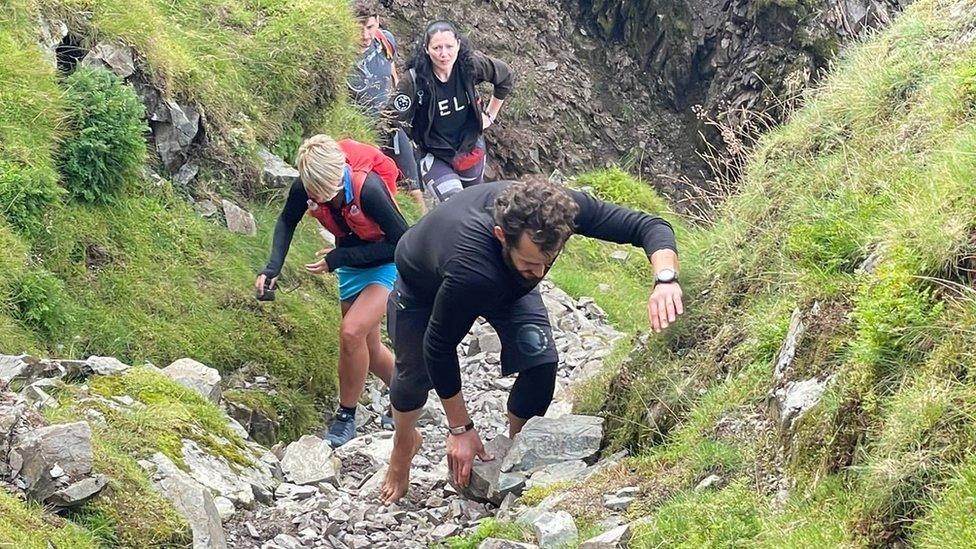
320,164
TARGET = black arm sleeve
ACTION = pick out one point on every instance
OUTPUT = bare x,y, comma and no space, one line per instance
377,205
605,221
456,305
295,207
496,71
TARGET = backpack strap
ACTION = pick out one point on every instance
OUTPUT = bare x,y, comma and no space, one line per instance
419,93
385,44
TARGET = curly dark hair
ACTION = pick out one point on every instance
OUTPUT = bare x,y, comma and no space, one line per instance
364,9
544,211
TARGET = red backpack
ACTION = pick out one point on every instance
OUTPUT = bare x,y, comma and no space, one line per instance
361,159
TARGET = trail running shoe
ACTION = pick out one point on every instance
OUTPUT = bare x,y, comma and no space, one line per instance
342,430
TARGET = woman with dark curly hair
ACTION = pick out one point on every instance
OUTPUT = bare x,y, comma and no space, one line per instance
437,102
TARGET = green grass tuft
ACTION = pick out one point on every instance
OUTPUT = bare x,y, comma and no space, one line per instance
488,528
107,148
26,526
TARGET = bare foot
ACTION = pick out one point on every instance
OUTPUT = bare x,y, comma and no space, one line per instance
398,473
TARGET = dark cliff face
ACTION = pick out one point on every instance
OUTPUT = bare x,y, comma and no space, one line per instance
734,55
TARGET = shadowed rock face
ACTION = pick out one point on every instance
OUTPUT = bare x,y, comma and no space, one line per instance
729,55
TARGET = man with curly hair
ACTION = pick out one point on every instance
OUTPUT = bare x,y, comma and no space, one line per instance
483,253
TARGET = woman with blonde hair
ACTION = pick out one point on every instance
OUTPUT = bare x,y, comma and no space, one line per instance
348,187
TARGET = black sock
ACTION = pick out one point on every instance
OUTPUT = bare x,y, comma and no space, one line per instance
346,414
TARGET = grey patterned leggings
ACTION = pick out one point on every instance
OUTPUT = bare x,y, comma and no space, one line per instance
441,179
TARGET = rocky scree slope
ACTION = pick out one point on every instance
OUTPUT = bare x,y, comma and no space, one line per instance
59,419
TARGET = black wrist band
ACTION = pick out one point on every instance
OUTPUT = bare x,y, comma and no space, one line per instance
461,430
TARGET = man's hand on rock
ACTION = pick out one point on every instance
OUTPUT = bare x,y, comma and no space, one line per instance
664,305
461,451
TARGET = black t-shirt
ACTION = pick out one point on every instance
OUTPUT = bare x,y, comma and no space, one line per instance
350,251
452,116
451,262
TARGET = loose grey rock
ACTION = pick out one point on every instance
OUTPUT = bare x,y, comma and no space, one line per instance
199,377
557,472
551,440
34,455
239,220
788,349
115,58
287,542
186,174
215,473
258,425
206,208
38,398
708,482
50,34
15,368
309,460
790,402
105,365
124,400
174,128
225,508
287,490
487,482
11,410
445,530
617,538
78,493
617,503
357,542
277,173
237,428
192,501
489,343
555,530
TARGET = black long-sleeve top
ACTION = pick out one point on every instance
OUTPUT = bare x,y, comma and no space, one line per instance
452,262
350,251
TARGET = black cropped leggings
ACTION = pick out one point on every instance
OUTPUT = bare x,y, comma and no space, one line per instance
527,348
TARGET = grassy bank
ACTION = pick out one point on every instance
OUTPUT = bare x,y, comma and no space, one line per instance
138,274
863,205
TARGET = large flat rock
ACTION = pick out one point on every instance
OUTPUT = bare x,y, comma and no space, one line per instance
544,441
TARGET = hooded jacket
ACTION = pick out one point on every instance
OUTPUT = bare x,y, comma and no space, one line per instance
403,110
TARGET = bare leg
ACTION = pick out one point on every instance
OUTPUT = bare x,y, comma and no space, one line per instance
418,196
358,320
407,441
380,356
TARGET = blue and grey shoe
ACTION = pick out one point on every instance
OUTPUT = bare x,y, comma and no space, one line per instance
386,420
342,430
